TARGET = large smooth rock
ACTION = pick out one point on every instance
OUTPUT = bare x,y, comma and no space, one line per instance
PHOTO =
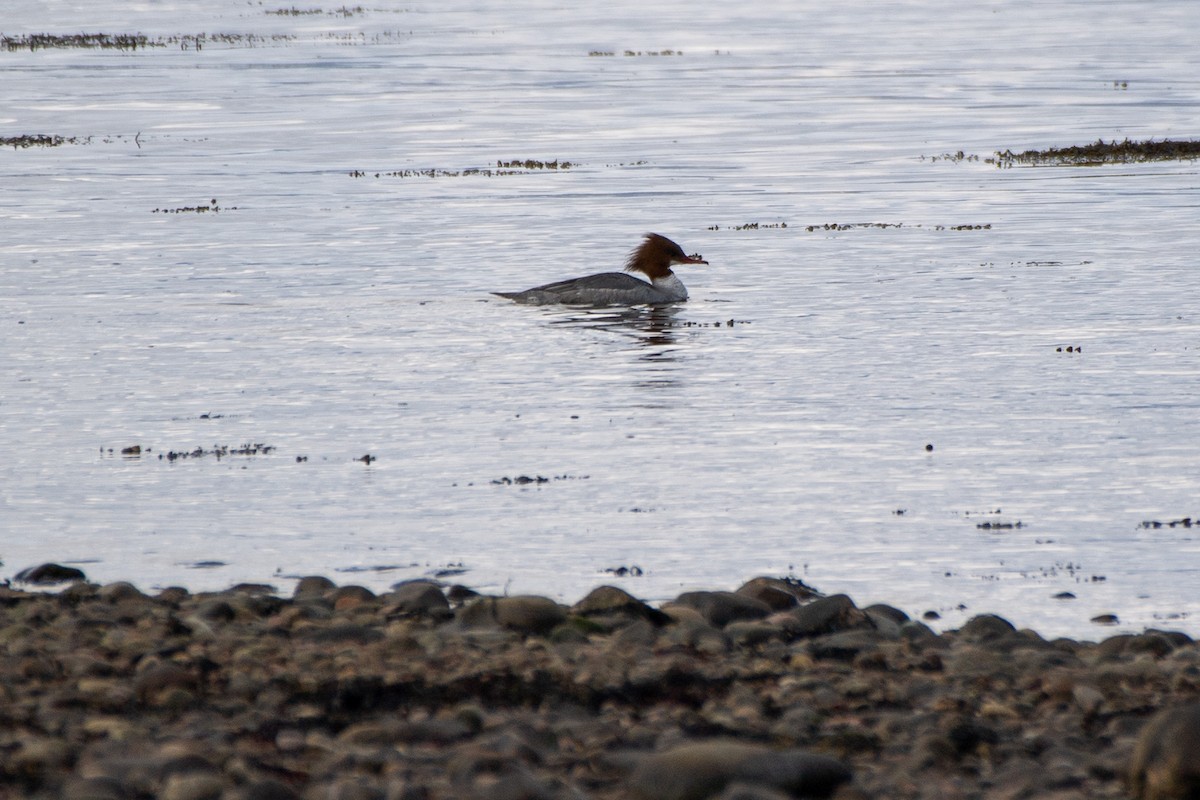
49,574
521,613
313,586
699,770
418,598
844,646
119,592
826,615
1166,761
986,628
616,606
779,593
722,608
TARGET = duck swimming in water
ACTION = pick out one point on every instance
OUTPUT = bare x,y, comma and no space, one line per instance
653,258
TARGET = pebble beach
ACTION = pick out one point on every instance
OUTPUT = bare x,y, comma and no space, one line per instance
433,691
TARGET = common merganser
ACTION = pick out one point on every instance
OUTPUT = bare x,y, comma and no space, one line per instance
653,258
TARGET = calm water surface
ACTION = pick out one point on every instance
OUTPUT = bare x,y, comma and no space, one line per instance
332,301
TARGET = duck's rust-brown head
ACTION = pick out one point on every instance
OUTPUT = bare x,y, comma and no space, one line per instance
655,255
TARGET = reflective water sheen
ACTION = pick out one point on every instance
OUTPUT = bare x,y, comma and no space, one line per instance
1037,326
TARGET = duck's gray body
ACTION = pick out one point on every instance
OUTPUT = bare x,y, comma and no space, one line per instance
603,289
653,258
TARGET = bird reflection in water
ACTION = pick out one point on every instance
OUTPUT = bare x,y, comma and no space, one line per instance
653,329
651,326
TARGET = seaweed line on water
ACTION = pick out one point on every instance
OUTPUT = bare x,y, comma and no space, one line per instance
41,140
203,208
846,226
1101,152
514,167
131,41
185,41
344,11
1088,155
635,53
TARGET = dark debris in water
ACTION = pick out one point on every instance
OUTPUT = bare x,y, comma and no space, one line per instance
538,480
344,11
188,41
846,226
635,53
633,571
513,167
729,323
1088,155
1101,152
106,41
218,451
993,524
375,568
39,140
752,226
132,451
203,208
1000,526
133,41
956,158
1185,522
533,163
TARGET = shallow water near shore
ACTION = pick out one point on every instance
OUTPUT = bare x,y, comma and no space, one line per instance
279,227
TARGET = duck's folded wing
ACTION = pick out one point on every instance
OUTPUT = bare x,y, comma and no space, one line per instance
605,288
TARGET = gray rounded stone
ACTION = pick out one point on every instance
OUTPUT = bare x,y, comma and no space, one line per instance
699,770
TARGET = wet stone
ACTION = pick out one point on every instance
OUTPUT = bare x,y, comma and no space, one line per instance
749,634
49,574
313,586
526,614
156,684
698,770
986,627
119,592
844,646
616,606
268,789
418,598
881,611
722,608
355,789
779,593
101,788
192,786
347,597
825,615
253,588
216,611
1164,765
520,698
345,633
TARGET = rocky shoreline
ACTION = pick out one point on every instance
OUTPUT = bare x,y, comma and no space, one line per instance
431,691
